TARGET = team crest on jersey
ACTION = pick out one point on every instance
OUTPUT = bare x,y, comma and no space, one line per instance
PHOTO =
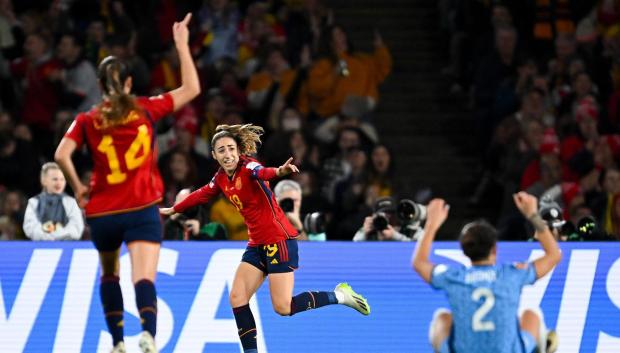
238,184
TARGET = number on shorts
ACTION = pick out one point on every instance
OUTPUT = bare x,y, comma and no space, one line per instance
142,142
489,300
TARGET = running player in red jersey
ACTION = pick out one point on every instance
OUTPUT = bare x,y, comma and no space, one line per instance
126,186
272,247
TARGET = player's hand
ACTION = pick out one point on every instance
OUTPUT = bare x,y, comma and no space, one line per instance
81,195
167,211
526,203
436,213
287,168
180,32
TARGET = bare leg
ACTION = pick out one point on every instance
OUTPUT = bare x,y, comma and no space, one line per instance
281,289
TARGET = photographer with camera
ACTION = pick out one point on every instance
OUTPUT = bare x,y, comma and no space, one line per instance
380,225
288,194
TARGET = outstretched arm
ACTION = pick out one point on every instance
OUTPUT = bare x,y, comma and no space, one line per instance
528,205
271,173
190,85
437,213
200,196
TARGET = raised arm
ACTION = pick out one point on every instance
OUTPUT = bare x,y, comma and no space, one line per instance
528,205
190,85
437,213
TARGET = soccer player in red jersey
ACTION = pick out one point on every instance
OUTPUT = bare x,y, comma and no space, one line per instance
272,246
126,186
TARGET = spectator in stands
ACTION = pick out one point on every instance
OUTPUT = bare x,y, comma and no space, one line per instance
349,193
214,114
52,214
289,191
580,89
193,224
166,75
183,138
217,39
276,146
340,71
179,173
612,227
94,47
268,89
353,113
304,26
12,215
336,167
19,164
78,78
122,45
551,22
40,96
381,225
229,86
381,172
494,81
256,29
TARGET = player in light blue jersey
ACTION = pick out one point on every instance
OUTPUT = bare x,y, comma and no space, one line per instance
484,298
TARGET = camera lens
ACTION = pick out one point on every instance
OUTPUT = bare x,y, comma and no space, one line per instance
410,211
380,221
287,205
314,223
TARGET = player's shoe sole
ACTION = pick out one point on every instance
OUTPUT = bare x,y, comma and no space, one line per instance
352,299
119,348
147,343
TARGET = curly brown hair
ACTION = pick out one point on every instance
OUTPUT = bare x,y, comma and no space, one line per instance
247,136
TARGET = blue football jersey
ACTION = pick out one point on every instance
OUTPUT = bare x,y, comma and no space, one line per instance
484,301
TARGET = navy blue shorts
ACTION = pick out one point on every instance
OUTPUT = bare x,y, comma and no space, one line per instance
280,257
109,232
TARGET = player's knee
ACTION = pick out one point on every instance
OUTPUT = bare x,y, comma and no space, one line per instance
282,307
237,298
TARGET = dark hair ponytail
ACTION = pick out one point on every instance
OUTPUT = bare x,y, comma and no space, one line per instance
112,75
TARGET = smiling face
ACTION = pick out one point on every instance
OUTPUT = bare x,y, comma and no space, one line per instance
53,181
226,153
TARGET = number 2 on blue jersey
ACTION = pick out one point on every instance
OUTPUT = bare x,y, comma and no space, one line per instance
477,322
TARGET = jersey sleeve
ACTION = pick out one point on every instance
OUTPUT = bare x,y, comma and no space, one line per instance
522,274
200,196
76,129
157,106
263,173
439,276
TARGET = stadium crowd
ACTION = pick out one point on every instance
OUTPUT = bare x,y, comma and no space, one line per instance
543,81
285,65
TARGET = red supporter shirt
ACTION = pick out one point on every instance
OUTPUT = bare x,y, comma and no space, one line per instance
125,175
248,190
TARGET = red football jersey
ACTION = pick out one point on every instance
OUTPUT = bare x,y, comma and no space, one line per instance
125,175
248,189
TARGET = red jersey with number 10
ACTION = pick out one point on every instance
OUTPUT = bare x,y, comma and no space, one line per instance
248,190
125,175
